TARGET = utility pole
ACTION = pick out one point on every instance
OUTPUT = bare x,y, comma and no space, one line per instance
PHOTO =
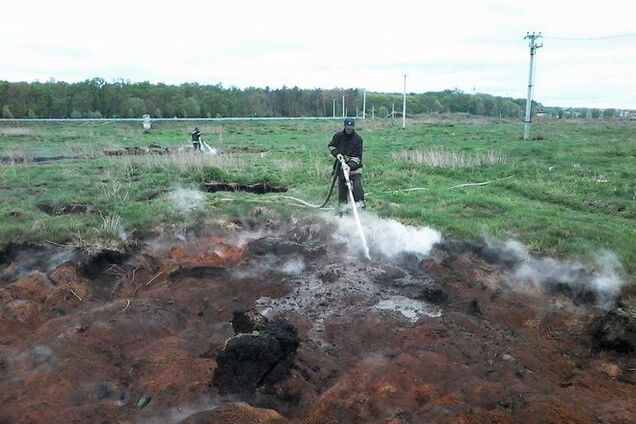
373,112
343,108
364,105
533,49
334,108
404,105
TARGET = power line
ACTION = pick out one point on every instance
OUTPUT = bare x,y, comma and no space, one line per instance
600,38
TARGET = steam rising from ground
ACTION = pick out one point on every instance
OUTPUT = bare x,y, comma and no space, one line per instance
604,280
185,199
294,266
40,258
328,283
386,237
177,414
389,238
271,264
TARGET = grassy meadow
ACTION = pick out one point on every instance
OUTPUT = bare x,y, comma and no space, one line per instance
570,192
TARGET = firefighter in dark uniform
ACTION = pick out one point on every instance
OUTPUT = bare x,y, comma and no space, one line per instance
196,139
348,145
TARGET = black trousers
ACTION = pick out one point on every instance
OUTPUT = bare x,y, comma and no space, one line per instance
343,191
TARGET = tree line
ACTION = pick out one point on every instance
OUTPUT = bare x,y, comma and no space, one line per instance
96,98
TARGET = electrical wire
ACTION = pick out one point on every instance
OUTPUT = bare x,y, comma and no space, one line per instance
600,38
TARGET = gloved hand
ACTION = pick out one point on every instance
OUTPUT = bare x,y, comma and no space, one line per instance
339,157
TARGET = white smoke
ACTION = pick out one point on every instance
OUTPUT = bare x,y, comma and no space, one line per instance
270,264
386,237
41,259
186,199
294,266
603,279
35,356
608,281
178,413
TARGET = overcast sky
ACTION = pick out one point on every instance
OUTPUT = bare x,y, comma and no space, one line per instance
588,58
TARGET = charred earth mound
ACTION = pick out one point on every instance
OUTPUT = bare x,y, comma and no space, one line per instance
288,324
258,355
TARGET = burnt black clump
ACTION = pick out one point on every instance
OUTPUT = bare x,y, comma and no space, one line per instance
8,253
407,277
460,247
498,255
103,391
274,246
473,308
248,321
580,295
257,188
95,266
199,272
616,331
492,254
431,294
65,209
423,289
24,159
252,360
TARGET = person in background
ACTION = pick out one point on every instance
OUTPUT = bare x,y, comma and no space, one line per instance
196,138
347,144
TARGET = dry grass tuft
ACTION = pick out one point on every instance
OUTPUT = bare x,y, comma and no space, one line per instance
83,150
445,158
112,226
16,131
113,187
16,155
287,166
188,161
319,171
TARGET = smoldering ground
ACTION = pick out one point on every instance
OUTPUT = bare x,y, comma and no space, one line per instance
425,319
594,284
186,199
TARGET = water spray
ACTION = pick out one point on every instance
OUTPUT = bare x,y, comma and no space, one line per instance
208,149
345,171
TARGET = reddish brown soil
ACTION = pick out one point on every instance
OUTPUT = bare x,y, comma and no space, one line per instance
82,340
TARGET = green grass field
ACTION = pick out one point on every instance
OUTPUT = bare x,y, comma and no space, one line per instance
570,193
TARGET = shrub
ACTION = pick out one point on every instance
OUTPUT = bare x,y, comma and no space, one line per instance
6,112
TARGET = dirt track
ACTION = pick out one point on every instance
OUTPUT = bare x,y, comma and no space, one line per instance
400,339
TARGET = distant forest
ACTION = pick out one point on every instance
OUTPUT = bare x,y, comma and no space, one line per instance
96,98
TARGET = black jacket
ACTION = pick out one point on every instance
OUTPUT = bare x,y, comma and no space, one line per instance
349,146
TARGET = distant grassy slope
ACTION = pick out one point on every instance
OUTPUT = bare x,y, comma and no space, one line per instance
569,193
